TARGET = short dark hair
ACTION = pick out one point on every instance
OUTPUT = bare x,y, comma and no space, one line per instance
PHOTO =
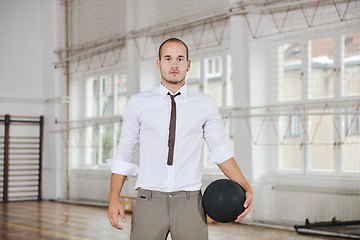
174,40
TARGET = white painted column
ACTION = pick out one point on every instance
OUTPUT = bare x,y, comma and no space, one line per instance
339,51
225,80
203,77
132,55
305,95
239,49
133,65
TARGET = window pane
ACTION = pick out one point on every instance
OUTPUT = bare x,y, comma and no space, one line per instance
351,143
213,67
290,72
106,131
210,66
291,154
193,76
214,88
351,82
94,144
213,78
117,127
322,68
107,97
229,82
351,153
217,64
121,87
322,143
92,95
291,148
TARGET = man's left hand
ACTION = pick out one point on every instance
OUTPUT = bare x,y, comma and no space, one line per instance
247,205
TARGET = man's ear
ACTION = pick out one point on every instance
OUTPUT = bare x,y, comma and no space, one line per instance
158,64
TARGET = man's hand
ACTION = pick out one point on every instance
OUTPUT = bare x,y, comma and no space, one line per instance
247,205
116,208
233,172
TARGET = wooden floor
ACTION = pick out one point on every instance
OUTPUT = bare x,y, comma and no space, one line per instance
53,220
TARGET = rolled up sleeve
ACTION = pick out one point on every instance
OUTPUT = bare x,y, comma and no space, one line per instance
123,161
214,136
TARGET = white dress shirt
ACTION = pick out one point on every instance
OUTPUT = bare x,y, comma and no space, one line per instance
146,119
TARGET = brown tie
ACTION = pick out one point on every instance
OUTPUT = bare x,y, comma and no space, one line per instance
172,128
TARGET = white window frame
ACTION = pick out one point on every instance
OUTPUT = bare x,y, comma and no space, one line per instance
338,94
224,75
99,118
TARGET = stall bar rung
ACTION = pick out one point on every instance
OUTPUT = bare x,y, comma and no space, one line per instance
26,197
23,170
24,148
18,137
26,117
22,159
24,175
24,180
24,143
23,164
15,186
22,191
11,153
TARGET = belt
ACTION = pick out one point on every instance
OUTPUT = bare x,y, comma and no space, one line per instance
149,194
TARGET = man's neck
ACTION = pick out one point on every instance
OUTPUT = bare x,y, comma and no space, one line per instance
173,87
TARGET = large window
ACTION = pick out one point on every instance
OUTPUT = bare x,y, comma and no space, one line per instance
351,78
105,99
211,75
193,79
290,71
322,68
326,82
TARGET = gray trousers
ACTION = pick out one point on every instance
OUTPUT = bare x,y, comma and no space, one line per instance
156,214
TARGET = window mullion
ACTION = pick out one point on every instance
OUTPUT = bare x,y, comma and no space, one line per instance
224,78
100,104
339,65
338,93
115,98
114,111
203,77
305,92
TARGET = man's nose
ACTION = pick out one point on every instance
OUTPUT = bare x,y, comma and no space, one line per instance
174,64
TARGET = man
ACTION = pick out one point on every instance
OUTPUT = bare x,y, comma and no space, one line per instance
170,122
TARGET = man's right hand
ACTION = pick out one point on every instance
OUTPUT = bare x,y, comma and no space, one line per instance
116,208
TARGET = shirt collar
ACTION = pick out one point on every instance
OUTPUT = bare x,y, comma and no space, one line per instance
163,92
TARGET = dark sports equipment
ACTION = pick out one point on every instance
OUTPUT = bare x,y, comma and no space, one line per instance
223,200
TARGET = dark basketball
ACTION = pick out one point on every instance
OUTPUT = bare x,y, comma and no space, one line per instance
223,200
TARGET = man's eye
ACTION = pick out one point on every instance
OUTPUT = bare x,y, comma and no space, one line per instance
180,59
167,59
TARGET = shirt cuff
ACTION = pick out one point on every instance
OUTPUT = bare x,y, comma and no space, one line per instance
219,155
123,168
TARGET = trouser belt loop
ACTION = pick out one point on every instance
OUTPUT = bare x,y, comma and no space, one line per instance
148,194
188,194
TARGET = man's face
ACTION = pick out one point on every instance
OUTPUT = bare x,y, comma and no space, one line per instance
173,64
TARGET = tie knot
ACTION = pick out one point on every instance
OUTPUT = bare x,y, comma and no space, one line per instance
173,96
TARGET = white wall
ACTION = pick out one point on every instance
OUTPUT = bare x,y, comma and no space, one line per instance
27,77
21,50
